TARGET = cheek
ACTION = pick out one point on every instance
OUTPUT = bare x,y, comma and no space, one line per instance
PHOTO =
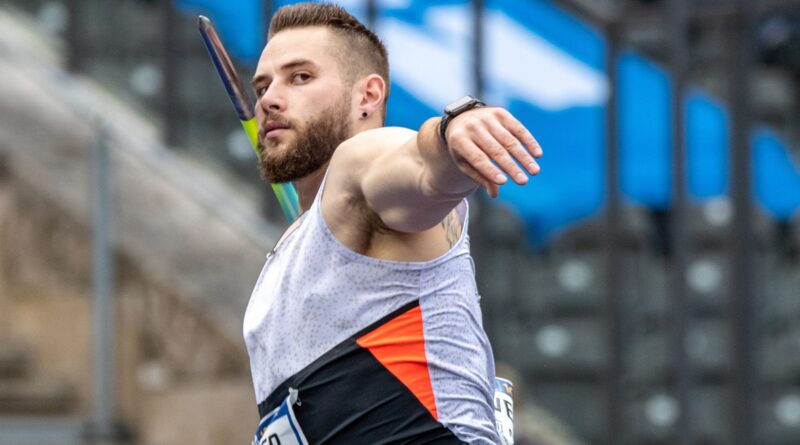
325,94
259,112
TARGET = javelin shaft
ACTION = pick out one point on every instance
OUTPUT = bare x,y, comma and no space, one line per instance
285,192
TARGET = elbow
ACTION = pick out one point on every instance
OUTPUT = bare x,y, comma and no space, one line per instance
432,187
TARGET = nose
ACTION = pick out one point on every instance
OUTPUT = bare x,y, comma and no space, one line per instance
272,100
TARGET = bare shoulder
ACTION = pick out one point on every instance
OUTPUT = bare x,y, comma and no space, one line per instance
383,136
350,159
381,162
370,144
343,203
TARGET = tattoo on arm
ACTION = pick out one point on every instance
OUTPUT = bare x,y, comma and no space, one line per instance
452,228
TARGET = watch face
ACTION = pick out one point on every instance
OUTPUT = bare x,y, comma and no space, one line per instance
456,106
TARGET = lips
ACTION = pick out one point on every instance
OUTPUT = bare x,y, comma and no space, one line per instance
271,128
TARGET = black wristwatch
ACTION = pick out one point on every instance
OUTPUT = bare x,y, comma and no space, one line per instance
466,103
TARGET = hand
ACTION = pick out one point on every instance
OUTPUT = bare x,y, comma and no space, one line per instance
482,135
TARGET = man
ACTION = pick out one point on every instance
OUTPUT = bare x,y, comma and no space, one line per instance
364,326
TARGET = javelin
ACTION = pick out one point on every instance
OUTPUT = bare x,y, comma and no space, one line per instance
285,192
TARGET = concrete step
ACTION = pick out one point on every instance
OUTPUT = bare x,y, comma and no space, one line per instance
38,396
15,360
41,430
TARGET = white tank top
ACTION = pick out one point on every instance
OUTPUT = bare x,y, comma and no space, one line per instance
314,293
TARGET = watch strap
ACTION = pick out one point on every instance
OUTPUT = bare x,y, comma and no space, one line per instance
456,108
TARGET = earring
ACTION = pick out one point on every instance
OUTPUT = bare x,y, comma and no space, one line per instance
364,114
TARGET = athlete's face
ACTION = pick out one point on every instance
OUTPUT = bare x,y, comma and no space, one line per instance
304,106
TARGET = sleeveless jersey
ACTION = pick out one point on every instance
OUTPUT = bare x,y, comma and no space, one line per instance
374,351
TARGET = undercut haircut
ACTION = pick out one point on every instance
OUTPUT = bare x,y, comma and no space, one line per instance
362,53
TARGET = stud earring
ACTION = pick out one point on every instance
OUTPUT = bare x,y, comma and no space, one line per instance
364,115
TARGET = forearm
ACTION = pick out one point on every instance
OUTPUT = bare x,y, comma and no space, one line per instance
440,179
412,181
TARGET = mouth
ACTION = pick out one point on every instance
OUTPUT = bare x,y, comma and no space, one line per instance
274,129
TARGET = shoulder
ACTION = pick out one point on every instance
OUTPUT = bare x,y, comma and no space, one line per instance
343,203
370,144
352,158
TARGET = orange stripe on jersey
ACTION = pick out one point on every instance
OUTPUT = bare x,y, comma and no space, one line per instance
399,345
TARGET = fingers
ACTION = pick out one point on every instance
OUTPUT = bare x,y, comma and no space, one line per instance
471,154
519,131
499,151
491,188
513,146
487,137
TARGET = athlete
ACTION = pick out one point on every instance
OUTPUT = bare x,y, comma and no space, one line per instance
364,326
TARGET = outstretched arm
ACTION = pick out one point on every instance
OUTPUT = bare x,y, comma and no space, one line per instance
412,180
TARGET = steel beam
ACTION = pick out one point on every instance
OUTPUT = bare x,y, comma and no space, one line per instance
680,307
741,249
613,304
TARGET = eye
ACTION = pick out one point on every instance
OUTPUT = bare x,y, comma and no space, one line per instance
261,90
301,77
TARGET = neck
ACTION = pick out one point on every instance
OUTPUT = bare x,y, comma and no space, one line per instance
308,186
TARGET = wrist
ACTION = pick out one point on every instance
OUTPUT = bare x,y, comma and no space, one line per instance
443,179
455,109
441,129
430,142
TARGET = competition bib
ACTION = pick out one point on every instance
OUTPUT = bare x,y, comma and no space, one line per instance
280,427
504,410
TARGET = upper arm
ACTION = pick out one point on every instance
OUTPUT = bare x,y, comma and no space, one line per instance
383,167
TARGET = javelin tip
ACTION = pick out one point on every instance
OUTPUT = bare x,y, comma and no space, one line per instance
203,22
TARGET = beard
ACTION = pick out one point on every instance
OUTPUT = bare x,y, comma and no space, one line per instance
312,147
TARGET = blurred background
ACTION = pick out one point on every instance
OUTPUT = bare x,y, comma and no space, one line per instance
643,289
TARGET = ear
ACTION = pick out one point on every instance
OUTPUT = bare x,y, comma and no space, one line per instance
372,91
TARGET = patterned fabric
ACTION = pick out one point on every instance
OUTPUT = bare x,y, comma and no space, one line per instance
379,351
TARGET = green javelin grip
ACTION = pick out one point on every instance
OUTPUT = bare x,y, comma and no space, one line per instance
285,192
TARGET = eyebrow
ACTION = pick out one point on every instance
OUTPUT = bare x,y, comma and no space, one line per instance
285,67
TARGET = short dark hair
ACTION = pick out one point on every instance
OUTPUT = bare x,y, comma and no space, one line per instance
367,53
